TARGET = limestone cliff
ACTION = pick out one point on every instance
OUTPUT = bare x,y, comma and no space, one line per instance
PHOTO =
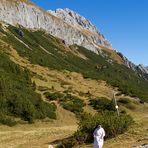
142,68
30,16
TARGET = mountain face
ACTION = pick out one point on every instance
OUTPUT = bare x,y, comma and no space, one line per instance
75,31
77,21
142,68
74,19
132,66
62,23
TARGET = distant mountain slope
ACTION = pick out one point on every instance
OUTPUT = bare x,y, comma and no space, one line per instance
142,68
74,19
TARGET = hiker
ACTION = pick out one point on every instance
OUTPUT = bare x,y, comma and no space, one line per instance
99,134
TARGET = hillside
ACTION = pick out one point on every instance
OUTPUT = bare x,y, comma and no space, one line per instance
58,72
78,72
45,50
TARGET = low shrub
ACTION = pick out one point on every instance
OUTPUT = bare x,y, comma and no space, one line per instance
53,96
127,103
67,101
7,120
111,122
67,143
72,103
124,101
113,125
102,103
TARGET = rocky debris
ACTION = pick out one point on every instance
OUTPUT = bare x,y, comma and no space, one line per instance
28,15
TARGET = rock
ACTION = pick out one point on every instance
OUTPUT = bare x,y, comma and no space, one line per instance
142,68
134,67
20,32
128,63
74,19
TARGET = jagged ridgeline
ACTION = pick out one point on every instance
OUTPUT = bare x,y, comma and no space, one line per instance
17,95
48,51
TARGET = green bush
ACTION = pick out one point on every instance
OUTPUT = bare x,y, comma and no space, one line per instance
67,143
53,96
7,120
67,101
127,103
100,104
111,122
113,125
72,103
124,101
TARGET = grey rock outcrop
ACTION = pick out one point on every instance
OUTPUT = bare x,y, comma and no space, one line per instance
131,65
128,63
30,16
142,68
74,19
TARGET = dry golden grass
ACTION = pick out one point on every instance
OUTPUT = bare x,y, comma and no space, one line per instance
113,54
138,134
62,80
37,135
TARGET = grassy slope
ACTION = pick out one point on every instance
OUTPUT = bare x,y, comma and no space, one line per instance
43,133
48,51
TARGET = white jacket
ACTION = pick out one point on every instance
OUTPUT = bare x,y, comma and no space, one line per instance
99,134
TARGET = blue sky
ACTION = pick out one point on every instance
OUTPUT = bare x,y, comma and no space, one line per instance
123,22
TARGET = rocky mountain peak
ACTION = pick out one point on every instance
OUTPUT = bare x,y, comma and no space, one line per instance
62,23
142,68
74,19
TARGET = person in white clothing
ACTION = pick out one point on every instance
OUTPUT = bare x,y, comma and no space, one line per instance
99,134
